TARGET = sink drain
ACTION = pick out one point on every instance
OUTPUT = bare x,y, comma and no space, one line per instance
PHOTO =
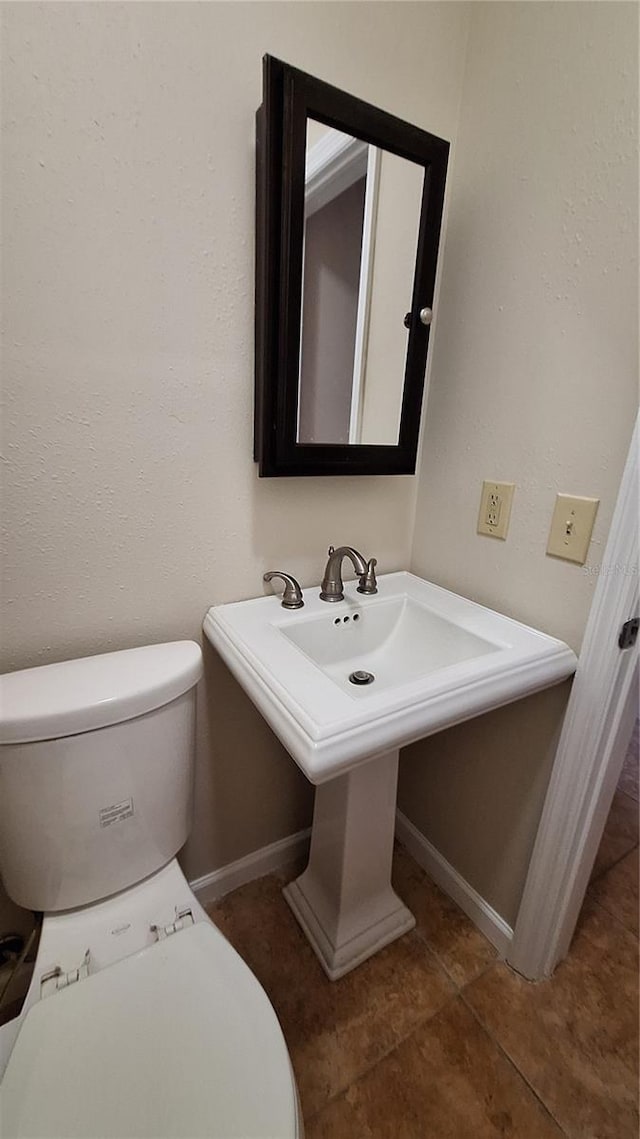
361,677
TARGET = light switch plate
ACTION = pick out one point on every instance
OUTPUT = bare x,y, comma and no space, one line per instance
571,527
495,508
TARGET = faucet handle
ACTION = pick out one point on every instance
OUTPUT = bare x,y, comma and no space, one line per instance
292,596
367,581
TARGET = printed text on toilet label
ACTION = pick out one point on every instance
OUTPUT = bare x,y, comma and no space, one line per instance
116,812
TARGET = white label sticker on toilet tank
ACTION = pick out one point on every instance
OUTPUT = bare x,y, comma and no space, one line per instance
116,813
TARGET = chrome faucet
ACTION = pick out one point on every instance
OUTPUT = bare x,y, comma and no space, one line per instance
332,588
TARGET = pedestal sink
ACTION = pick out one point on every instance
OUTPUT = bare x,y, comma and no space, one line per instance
344,686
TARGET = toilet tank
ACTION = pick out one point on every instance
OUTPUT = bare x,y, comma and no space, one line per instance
96,772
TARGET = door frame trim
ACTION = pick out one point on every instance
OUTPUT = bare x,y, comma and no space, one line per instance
600,715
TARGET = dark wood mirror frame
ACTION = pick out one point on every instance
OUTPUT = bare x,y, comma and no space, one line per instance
289,98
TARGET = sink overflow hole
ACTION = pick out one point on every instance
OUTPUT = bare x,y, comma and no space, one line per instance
361,677
344,620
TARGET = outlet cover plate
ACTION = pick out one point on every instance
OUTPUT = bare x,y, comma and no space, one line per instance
495,508
571,527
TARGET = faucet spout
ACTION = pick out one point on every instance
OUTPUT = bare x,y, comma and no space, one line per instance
332,588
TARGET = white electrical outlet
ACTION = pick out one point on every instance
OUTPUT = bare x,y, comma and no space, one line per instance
495,508
571,527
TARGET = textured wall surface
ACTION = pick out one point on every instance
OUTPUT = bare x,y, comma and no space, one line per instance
535,367
130,501
534,381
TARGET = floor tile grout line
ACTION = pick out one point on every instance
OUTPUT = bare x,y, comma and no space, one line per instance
427,944
424,937
613,866
606,869
459,990
483,973
394,1047
623,925
452,996
503,1052
454,993
458,986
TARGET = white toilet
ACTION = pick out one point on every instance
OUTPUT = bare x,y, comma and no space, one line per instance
141,1019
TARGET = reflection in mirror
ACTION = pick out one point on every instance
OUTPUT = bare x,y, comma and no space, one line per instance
361,220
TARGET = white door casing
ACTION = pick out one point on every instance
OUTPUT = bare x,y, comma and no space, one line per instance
600,715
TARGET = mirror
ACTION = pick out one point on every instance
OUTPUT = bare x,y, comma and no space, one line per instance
349,206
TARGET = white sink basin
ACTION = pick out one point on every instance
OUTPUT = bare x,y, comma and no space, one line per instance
436,659
396,641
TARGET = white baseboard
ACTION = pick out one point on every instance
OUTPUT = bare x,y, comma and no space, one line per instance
255,865
268,859
495,928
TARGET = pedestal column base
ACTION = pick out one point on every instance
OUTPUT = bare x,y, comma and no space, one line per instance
344,901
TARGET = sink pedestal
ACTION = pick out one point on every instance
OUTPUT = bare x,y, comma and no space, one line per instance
437,658
343,900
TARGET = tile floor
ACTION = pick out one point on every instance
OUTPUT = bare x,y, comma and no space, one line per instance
434,1038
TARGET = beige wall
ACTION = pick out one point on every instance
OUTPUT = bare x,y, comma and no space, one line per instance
533,380
131,502
476,792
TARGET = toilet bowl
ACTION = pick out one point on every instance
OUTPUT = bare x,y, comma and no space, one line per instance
140,1019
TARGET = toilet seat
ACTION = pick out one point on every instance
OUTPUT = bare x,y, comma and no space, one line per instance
177,1040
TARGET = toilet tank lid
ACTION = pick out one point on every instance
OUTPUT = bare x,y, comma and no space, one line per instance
74,696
